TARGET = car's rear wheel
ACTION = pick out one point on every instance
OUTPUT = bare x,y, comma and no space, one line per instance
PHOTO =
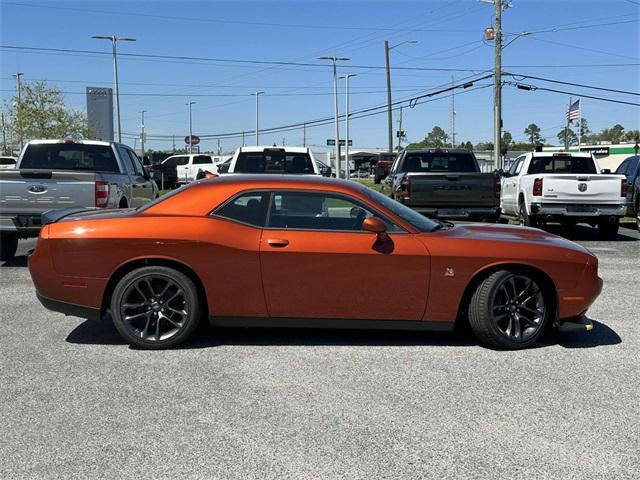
8,245
525,219
509,310
155,307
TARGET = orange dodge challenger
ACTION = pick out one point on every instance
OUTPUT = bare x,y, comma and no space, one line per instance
306,252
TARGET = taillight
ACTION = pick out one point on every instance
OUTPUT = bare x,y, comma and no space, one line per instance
537,187
102,194
405,187
496,187
623,187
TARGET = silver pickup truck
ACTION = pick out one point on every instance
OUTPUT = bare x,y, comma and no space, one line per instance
54,174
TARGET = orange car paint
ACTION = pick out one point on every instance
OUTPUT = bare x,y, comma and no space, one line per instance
416,276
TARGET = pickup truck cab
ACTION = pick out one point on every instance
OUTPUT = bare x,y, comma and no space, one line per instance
563,187
273,160
181,169
445,183
55,174
630,168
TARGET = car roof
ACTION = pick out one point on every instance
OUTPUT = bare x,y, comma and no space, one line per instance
439,150
63,140
267,147
562,154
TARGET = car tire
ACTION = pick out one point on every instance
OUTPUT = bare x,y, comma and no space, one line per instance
608,230
525,219
155,307
509,310
8,246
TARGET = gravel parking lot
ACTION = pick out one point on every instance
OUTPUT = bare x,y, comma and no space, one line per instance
236,403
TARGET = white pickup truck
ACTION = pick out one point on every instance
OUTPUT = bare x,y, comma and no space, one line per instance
55,174
287,160
563,187
180,169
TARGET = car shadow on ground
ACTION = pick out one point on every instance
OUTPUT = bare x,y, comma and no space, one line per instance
587,233
92,332
19,261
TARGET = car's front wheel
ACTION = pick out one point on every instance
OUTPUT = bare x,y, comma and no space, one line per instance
509,310
155,307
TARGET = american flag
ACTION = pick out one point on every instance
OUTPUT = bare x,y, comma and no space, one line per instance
573,113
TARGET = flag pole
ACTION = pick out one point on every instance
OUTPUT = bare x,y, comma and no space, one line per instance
579,123
566,131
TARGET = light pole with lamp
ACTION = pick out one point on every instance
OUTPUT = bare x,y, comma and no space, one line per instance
257,94
189,104
335,60
115,40
346,123
387,49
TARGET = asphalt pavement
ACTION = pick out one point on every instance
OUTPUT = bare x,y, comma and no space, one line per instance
315,404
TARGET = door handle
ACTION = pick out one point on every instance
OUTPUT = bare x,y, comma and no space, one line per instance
278,242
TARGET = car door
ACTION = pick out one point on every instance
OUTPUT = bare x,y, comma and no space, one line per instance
317,262
508,193
142,187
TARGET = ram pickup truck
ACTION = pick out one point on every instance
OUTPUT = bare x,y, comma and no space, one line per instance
445,183
382,166
55,174
181,169
563,187
274,160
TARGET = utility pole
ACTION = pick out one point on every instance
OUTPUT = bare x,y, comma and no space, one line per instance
334,60
17,76
173,138
304,134
497,88
346,124
142,135
190,127
400,129
387,49
243,139
219,149
453,114
257,94
114,40
4,136
566,130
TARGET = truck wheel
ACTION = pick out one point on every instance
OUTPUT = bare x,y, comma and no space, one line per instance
608,230
8,246
525,219
376,179
155,307
509,310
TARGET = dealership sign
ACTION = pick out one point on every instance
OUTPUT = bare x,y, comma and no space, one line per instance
597,151
194,140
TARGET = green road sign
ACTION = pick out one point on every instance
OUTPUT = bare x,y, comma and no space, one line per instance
331,142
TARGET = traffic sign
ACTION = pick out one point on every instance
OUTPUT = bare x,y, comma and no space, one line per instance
194,140
331,142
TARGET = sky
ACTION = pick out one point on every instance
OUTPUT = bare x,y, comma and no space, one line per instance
588,42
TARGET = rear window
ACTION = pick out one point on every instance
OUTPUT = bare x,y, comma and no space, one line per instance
562,165
176,161
70,156
438,162
7,161
274,161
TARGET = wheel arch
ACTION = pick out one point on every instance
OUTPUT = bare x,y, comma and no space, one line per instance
548,286
125,268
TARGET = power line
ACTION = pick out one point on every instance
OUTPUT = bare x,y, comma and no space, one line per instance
604,89
521,86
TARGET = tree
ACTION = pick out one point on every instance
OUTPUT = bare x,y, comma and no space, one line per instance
570,136
533,133
42,113
436,138
507,140
632,136
613,134
584,130
466,145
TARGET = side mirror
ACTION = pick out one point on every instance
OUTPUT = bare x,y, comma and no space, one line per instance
377,226
605,170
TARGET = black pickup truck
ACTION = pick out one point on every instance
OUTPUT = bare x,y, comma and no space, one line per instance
445,183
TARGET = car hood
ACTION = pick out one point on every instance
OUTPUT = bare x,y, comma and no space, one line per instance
510,234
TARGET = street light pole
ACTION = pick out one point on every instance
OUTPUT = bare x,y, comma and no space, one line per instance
335,60
114,40
346,123
497,88
190,127
387,49
142,135
17,76
257,94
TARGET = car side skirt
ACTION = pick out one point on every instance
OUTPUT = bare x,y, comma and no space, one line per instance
335,323
70,309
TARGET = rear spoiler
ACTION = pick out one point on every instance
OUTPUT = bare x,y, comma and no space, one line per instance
53,216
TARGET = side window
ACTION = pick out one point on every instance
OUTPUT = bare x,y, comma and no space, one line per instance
623,168
126,160
319,211
137,166
247,208
202,159
516,166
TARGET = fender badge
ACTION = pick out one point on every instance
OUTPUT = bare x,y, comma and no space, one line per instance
449,272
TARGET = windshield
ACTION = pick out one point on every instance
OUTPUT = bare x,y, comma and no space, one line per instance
417,220
69,156
438,162
176,161
562,165
274,161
